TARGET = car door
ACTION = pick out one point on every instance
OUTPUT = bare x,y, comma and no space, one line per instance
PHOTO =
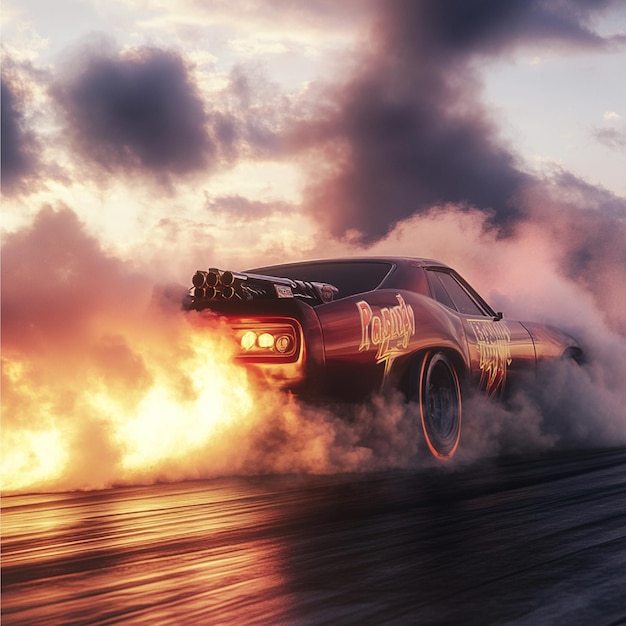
500,350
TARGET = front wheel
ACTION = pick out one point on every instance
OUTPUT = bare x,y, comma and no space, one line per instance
439,398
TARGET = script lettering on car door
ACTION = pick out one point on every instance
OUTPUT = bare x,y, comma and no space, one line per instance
389,330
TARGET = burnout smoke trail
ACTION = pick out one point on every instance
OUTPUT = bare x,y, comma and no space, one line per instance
106,381
528,276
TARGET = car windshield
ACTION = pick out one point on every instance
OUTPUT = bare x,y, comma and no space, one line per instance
350,277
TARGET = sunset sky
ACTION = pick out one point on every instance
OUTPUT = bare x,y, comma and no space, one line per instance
184,133
145,139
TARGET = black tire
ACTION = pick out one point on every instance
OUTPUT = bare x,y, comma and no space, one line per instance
440,404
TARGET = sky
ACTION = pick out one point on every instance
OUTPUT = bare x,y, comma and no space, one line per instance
145,139
263,130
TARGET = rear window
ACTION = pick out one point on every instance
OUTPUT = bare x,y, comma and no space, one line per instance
350,277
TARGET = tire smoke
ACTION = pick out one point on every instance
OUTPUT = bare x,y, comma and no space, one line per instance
106,381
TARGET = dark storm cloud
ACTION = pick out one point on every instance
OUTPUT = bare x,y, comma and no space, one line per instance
139,110
408,130
142,111
399,156
452,27
19,145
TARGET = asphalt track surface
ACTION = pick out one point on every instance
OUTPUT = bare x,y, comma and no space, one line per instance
538,540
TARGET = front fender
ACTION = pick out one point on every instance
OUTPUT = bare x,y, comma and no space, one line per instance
550,342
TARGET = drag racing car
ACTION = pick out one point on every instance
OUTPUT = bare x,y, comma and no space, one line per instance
346,329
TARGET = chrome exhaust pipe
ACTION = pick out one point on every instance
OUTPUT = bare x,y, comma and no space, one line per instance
213,277
199,279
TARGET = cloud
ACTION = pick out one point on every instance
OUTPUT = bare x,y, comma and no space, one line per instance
407,129
258,111
587,225
139,110
241,209
257,46
613,138
490,27
19,143
53,266
281,20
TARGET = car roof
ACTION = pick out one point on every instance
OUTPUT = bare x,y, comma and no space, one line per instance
415,261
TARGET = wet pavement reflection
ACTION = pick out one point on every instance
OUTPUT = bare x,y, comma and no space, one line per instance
539,540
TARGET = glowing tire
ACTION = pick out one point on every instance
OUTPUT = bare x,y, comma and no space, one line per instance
439,399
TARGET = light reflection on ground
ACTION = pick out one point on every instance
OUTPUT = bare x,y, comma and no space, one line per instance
505,540
142,553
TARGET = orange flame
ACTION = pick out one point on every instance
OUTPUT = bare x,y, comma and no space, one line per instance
162,398
105,380
132,404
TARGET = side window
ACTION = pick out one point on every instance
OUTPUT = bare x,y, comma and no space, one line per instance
455,293
440,294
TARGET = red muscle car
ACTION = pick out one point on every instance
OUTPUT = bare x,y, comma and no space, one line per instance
344,329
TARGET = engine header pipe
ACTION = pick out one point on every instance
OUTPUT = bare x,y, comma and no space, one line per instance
213,277
199,279
228,292
230,278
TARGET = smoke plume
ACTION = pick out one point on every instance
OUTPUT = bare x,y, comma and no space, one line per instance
139,110
106,381
407,130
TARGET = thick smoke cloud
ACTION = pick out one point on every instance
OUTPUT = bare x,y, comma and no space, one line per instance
106,381
19,160
140,110
587,227
408,130
58,284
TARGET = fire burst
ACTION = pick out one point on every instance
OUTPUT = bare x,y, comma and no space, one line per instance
93,422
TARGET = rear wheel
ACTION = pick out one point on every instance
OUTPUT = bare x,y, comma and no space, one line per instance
439,399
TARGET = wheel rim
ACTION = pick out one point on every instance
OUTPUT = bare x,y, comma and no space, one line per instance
440,406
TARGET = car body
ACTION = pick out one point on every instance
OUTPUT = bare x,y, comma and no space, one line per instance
344,329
